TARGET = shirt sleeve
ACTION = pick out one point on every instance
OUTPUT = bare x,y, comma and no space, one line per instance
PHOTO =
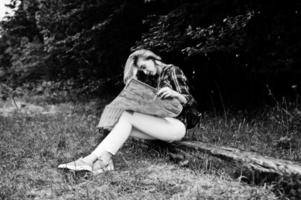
179,81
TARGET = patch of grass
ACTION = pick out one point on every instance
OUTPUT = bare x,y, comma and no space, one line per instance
32,146
274,132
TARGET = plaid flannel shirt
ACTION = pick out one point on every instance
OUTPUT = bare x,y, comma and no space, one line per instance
174,78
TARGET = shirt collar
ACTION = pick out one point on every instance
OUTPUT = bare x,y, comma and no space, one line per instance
165,67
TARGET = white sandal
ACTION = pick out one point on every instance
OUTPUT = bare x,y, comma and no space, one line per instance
77,165
99,167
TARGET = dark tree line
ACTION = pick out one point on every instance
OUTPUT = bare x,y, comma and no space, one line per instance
235,53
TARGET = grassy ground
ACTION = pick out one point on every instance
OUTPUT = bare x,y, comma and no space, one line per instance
275,132
34,142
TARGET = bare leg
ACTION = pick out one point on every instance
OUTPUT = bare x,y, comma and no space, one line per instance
137,125
119,133
139,134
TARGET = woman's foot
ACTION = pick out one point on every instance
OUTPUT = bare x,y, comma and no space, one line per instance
77,165
100,166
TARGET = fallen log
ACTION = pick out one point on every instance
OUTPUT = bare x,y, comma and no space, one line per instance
249,167
250,160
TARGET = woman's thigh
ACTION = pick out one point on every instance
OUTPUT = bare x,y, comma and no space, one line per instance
166,129
141,135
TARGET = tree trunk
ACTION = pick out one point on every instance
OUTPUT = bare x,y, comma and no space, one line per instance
250,160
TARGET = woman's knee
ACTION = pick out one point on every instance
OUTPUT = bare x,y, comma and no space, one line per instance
126,115
178,132
178,136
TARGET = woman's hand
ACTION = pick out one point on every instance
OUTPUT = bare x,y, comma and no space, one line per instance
167,92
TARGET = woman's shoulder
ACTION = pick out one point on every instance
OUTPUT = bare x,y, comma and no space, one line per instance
176,70
172,68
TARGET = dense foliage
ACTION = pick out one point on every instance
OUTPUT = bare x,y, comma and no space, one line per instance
64,39
234,52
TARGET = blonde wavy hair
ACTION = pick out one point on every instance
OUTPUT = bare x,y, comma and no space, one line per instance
131,68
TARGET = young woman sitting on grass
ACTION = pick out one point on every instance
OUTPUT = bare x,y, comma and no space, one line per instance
172,83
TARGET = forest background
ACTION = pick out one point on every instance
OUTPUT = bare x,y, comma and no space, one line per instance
236,54
61,62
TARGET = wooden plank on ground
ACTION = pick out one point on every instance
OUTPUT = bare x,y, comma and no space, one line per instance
251,160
